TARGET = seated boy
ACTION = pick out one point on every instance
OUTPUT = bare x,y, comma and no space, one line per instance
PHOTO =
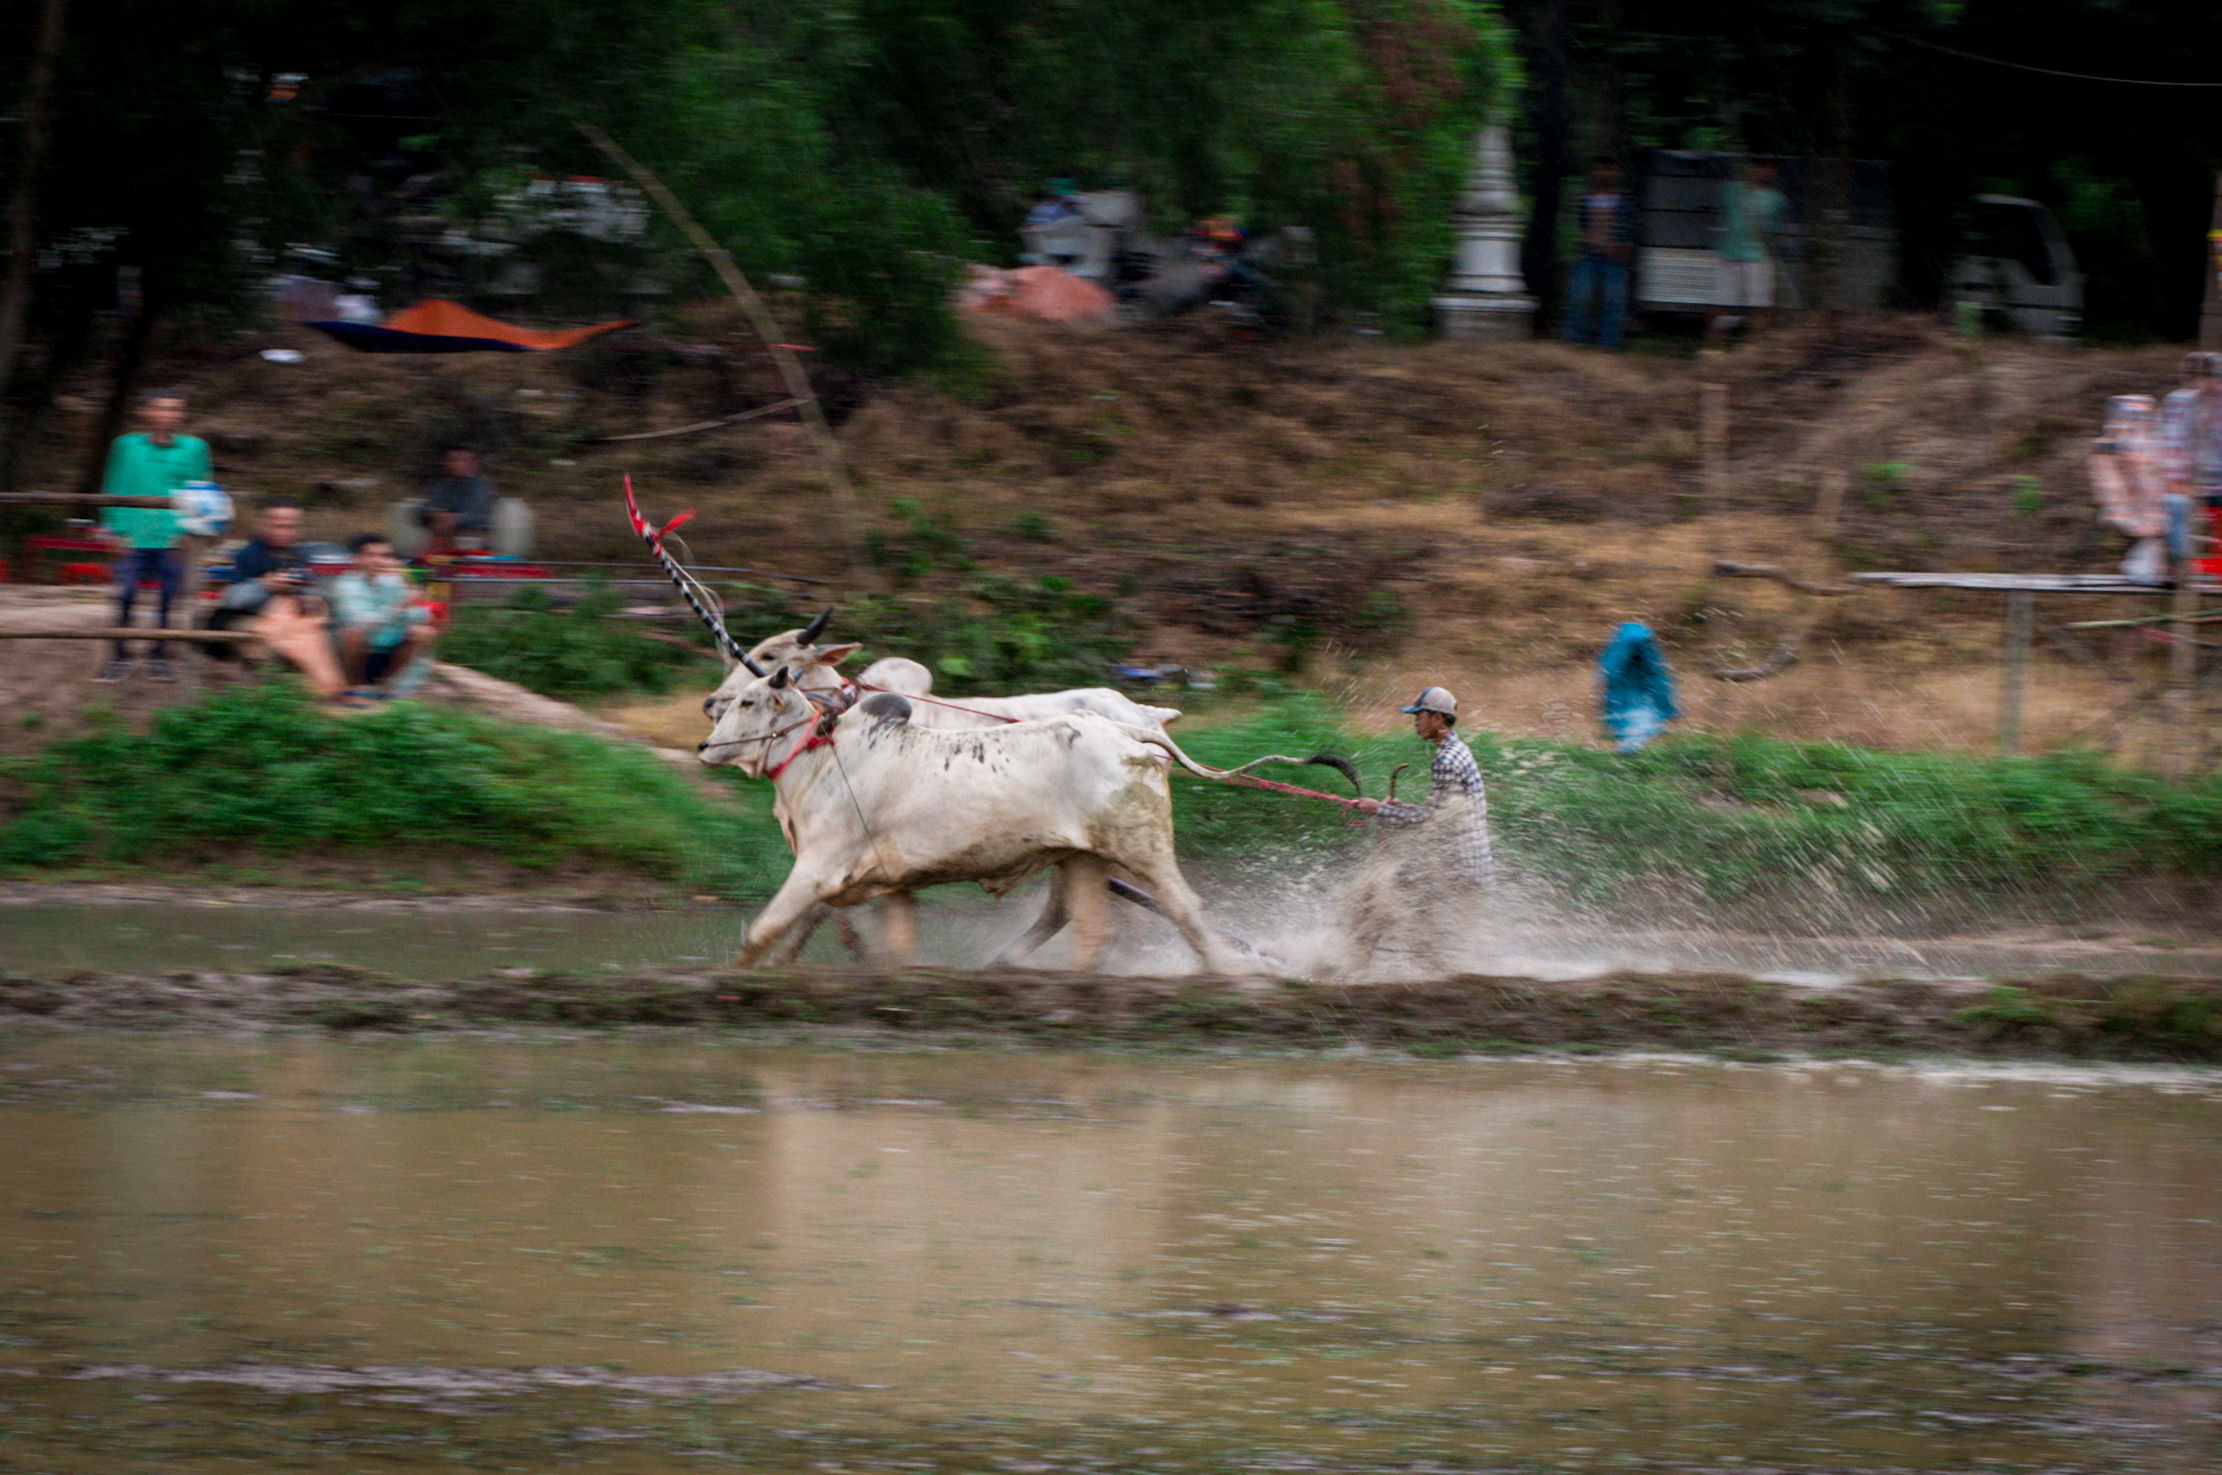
380,626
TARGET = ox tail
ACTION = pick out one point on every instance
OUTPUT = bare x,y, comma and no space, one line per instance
1159,739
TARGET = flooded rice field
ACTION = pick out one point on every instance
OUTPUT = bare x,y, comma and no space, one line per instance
611,1253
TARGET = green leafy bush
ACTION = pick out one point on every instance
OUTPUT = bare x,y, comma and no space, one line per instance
1744,816
582,651
992,635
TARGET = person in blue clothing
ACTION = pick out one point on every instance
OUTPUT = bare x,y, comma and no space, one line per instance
1638,690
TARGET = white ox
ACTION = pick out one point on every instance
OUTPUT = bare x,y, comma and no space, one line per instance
811,668
887,806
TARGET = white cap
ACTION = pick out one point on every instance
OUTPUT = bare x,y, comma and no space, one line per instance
1434,699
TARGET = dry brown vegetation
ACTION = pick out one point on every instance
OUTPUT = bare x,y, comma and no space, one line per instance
1479,517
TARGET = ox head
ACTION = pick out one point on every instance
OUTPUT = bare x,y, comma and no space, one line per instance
788,648
768,717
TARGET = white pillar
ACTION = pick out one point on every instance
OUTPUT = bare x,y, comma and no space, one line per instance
1484,299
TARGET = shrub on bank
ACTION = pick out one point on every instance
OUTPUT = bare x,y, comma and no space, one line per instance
262,771
580,651
1737,817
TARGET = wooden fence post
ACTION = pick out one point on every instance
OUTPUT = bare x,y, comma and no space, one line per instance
2183,664
1712,447
2013,676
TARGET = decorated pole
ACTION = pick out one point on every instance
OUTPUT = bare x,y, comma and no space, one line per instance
689,585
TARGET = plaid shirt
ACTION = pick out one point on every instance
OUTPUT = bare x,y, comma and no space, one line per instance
1455,799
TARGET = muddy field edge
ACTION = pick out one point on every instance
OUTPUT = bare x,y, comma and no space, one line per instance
2144,1017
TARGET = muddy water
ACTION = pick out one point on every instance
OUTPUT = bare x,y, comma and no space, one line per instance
960,929
622,1255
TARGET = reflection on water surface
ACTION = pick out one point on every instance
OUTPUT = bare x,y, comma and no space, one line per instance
634,1256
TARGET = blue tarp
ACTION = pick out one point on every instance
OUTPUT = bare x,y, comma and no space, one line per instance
1638,688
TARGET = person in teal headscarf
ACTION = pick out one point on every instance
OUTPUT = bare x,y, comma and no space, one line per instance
1638,688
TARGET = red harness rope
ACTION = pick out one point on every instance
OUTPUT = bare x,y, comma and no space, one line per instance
934,702
829,710
1266,783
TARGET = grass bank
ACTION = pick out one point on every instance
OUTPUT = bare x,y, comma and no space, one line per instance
1718,820
262,773
2143,1018
1738,818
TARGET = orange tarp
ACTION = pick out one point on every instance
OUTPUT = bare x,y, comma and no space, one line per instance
1040,292
437,318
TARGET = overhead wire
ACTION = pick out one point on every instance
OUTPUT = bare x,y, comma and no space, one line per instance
2020,66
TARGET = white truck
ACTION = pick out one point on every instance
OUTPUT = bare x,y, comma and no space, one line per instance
2017,268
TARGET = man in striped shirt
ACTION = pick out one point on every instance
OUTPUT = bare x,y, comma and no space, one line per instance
1417,900
1456,814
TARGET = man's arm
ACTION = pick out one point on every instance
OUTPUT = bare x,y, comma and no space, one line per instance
113,483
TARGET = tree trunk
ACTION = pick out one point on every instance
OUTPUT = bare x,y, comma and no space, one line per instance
36,121
1828,222
37,400
128,361
1547,109
1612,91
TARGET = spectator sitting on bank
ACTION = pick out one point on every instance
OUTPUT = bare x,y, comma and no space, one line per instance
271,596
382,630
152,463
459,507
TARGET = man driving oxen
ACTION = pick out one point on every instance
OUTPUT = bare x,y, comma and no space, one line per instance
1420,893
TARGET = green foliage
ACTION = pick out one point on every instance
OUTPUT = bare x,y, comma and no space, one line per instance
582,651
992,635
1911,824
995,635
263,771
2006,1008
1352,117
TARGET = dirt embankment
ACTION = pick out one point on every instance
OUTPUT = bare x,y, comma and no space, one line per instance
2144,1018
1393,515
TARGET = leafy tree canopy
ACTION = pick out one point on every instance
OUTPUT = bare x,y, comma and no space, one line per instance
865,148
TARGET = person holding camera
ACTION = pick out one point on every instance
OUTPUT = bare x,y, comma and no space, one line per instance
272,596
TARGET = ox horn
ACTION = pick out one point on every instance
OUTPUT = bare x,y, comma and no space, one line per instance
688,584
816,628
779,678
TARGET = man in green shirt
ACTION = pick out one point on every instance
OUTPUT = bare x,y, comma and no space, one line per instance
153,463
1751,213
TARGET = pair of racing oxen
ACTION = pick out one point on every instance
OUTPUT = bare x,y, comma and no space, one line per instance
883,789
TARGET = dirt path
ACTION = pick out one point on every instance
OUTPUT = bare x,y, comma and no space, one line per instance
2137,1018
